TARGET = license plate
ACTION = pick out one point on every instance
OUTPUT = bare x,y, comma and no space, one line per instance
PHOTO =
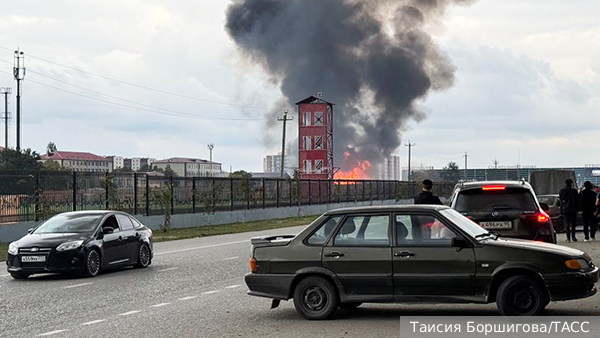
33,258
496,225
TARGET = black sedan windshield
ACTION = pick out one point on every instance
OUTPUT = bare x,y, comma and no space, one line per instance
73,223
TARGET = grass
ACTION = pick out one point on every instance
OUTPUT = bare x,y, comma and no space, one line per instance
212,230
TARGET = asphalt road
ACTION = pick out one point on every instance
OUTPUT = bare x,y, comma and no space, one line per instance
195,288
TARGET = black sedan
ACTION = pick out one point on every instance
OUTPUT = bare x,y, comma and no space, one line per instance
83,242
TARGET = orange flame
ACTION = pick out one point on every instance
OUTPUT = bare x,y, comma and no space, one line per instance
357,173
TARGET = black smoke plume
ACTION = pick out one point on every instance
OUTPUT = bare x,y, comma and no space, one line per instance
373,59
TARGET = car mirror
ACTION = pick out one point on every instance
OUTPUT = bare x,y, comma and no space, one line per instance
459,242
544,206
108,230
29,231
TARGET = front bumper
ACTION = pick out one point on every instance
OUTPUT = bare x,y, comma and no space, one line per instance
66,261
572,285
276,286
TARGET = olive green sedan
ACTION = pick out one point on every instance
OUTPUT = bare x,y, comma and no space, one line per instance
413,253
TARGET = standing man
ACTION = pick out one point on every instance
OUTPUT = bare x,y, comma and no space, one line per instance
588,208
569,205
426,196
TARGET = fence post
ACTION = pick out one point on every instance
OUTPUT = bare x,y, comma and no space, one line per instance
135,193
264,188
106,185
172,196
231,192
291,193
277,192
363,193
37,196
320,191
193,195
347,192
248,194
74,191
147,195
214,196
329,191
309,191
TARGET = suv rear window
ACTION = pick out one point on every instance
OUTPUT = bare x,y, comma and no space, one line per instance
478,200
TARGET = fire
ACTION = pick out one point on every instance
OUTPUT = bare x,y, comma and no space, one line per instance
357,173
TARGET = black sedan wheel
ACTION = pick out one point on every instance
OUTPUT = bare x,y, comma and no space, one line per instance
91,267
17,275
315,298
521,296
143,256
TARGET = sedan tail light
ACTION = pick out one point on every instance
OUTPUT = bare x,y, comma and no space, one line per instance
253,264
543,217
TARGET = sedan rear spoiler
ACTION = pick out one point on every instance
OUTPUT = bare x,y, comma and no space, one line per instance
271,240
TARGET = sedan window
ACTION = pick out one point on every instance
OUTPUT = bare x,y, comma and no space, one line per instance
124,222
320,236
422,230
364,231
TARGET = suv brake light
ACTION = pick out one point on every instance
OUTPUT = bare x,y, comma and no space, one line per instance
543,217
493,187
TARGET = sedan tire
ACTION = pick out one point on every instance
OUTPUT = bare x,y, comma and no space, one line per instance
315,298
521,296
143,259
91,266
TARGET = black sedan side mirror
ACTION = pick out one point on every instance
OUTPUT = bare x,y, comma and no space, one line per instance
544,206
30,230
460,242
108,230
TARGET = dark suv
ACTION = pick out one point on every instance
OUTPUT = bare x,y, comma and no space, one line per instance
509,208
413,253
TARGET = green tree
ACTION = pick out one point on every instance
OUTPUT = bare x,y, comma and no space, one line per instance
163,196
450,173
51,148
145,168
169,172
53,166
242,189
27,159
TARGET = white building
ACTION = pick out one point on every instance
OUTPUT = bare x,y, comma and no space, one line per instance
79,161
389,169
117,161
272,163
189,167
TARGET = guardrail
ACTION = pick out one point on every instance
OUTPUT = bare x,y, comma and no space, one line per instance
29,196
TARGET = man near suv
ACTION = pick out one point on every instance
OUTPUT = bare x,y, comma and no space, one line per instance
588,207
569,205
426,196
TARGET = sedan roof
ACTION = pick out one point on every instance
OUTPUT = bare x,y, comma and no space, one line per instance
387,208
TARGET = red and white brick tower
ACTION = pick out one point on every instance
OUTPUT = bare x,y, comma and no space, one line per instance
315,138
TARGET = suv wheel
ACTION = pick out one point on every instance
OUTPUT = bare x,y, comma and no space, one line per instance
315,298
521,296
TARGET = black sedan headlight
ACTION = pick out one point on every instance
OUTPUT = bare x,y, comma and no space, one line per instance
69,245
13,248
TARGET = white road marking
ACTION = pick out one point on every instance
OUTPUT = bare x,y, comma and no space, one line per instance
159,305
168,269
77,285
94,322
232,286
200,247
4,275
209,292
188,298
230,258
51,333
129,313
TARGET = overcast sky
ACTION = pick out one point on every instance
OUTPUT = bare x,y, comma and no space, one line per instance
527,86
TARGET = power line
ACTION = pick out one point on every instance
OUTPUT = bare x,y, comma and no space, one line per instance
133,107
141,86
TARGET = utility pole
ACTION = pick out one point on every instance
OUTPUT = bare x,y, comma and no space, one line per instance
5,91
409,145
19,73
285,118
210,148
466,156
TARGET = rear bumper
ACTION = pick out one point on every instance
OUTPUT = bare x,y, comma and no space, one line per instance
275,286
572,285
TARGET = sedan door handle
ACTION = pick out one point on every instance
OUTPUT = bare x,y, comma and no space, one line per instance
334,254
404,254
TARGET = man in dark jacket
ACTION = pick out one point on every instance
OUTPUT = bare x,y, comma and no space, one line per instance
569,205
588,208
426,196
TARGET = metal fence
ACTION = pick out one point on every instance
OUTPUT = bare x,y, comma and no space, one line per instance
28,196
